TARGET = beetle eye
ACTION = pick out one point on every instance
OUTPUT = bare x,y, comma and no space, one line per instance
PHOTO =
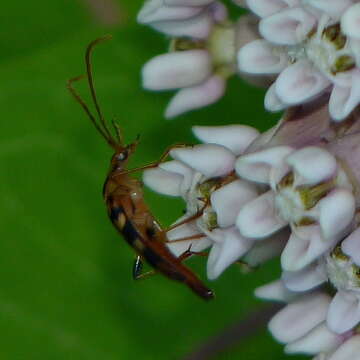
121,156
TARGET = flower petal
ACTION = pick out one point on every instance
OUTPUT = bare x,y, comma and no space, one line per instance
351,246
299,83
275,291
264,8
299,317
226,252
154,10
230,198
196,97
257,166
288,27
272,102
176,70
163,182
179,168
184,231
312,165
344,312
209,159
258,218
318,340
267,249
188,2
350,21
304,246
234,137
261,57
343,100
333,8
198,27
349,350
337,210
305,279
218,11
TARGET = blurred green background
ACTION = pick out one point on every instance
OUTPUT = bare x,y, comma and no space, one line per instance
66,286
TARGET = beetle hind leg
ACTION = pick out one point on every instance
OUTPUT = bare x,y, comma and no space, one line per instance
138,268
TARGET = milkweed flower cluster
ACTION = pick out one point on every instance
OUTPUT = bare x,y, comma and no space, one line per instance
312,47
292,191
202,52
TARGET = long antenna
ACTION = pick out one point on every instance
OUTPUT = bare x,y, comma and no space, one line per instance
85,107
101,127
91,81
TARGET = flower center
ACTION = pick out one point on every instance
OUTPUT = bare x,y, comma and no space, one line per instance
220,44
342,272
327,49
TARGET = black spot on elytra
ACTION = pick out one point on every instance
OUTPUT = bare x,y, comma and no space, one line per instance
115,213
150,232
151,257
129,232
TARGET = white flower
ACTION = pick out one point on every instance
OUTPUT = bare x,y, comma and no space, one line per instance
301,324
343,273
203,175
312,53
309,191
202,52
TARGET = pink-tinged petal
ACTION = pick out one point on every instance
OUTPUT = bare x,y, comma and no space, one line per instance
176,70
188,2
209,159
229,199
267,249
351,246
305,279
299,317
184,231
162,181
312,164
226,252
350,22
350,350
337,210
333,8
299,83
218,12
272,102
258,218
234,137
196,97
288,27
264,8
275,291
257,166
304,246
260,57
198,26
154,11
355,48
344,100
344,312
318,340
179,168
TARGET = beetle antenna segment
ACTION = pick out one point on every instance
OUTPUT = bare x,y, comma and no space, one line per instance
83,104
110,139
118,132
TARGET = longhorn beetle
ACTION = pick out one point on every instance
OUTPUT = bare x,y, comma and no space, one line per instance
125,203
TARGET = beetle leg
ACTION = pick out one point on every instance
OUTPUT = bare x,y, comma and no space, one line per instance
192,237
190,218
137,269
187,253
152,164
